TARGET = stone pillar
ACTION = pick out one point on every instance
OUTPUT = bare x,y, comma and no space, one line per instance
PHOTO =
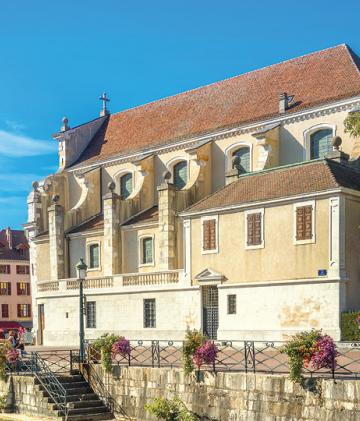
112,234
167,226
56,240
337,267
231,175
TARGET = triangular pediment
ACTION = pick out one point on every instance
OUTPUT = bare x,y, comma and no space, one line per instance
210,275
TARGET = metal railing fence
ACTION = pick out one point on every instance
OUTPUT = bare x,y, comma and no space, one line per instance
34,364
241,356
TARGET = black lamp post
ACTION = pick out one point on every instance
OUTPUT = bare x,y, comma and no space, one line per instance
81,269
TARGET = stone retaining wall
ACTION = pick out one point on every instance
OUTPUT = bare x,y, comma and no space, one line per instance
233,396
24,396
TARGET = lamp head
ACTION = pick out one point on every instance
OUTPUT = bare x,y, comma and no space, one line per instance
81,269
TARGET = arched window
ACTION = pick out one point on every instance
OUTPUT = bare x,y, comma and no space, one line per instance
244,155
320,143
126,185
180,174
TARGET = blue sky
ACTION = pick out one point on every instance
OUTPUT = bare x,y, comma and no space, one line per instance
58,56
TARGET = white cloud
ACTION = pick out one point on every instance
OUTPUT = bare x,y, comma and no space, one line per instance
16,145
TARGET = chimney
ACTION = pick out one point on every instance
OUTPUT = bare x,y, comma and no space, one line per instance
9,237
284,102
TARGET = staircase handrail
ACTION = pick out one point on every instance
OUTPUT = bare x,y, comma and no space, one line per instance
98,386
50,382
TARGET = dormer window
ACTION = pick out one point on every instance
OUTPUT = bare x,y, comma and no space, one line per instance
320,143
243,154
180,175
126,185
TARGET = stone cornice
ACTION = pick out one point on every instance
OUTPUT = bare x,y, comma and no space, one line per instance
315,112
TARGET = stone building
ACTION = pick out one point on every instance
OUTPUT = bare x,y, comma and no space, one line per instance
15,291
228,208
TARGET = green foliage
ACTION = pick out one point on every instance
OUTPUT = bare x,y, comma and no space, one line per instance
4,348
298,349
352,124
170,410
104,345
3,400
349,327
193,340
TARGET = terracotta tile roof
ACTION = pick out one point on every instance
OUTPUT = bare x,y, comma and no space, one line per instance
94,223
149,215
20,248
308,177
313,79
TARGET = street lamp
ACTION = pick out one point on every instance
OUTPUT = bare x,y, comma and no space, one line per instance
81,269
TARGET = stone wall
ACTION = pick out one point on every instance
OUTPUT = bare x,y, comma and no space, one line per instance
24,396
233,396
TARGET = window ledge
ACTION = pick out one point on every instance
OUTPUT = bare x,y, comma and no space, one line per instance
302,242
258,246
215,251
94,269
141,265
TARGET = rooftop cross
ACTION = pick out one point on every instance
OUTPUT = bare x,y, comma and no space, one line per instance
104,100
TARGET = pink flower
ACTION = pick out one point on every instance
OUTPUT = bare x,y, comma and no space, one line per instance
122,347
205,354
12,356
324,353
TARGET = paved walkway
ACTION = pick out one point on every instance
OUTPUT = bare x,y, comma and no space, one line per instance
21,417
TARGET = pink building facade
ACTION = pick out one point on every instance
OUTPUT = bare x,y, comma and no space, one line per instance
15,288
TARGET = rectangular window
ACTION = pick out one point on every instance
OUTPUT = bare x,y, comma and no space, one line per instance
209,234
5,310
147,251
149,312
91,314
24,310
254,228
94,256
231,304
304,223
22,270
5,269
5,288
23,288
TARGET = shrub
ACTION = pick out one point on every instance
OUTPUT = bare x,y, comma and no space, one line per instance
352,124
193,340
3,360
104,344
205,354
170,410
324,353
12,356
122,347
309,349
349,326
